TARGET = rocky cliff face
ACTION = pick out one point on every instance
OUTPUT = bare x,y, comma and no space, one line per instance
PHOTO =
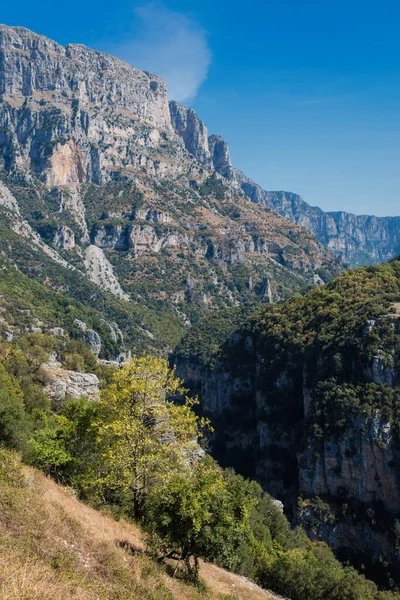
303,397
358,239
64,383
113,183
71,114
193,131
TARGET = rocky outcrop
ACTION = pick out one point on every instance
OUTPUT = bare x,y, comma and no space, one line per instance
64,383
211,151
144,239
221,159
89,335
360,462
64,238
188,126
101,272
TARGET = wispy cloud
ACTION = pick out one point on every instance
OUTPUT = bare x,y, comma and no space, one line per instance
171,45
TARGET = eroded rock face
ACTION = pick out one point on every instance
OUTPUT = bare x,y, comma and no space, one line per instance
65,383
192,130
357,239
90,336
362,462
33,65
64,238
145,239
101,271
221,159
72,114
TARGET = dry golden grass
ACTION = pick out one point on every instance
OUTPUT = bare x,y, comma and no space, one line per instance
53,547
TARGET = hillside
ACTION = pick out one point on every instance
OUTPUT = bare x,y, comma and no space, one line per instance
305,398
53,547
100,199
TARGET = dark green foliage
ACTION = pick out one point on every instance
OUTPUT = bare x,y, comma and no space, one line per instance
227,519
64,445
213,186
210,333
324,341
13,422
310,360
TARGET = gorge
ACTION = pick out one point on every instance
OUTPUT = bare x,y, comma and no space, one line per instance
124,229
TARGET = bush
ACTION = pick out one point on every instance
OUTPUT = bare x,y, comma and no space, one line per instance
13,420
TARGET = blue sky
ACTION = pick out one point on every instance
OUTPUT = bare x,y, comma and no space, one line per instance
306,92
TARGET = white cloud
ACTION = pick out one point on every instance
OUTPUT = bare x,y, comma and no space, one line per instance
171,45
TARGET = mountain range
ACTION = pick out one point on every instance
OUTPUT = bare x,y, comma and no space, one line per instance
97,183
356,239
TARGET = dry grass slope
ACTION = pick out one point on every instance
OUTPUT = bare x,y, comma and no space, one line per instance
53,547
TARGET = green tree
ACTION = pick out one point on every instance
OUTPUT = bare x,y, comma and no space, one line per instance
199,514
13,420
144,435
65,445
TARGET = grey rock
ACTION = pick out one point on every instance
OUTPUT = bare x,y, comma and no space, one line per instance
64,238
57,331
63,382
357,239
101,271
221,159
71,114
192,130
90,336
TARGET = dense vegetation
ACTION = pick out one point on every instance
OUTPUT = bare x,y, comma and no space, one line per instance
136,452
67,295
326,339
324,365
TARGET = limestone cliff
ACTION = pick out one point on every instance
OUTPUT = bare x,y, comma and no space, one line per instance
71,114
193,131
358,239
128,191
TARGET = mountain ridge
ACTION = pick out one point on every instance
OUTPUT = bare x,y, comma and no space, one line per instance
356,239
